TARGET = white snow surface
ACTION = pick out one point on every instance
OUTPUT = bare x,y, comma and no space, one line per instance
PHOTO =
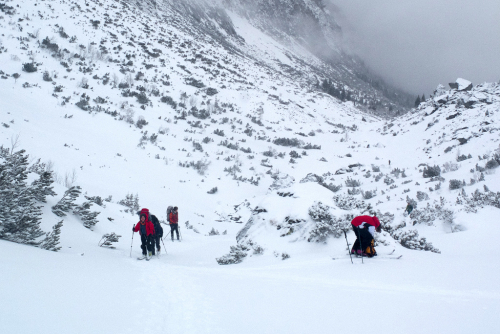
84,288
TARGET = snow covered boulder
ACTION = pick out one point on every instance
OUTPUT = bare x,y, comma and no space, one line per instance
461,85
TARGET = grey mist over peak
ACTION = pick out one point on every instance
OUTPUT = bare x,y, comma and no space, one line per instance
416,45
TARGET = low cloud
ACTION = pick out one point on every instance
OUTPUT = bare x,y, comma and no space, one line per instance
418,44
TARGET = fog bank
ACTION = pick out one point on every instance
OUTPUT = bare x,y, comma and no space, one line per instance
417,44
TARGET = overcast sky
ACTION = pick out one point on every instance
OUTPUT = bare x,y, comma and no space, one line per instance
418,44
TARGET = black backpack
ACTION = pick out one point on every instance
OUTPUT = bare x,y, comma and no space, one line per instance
156,223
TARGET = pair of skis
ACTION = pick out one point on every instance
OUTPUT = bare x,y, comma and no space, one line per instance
388,256
394,257
147,258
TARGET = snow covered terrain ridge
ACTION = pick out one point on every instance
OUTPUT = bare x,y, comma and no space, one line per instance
268,150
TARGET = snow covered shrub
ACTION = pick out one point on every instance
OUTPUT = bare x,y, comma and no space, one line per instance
29,67
347,202
285,256
219,132
236,255
326,224
422,196
431,171
463,157
309,146
478,200
213,190
141,121
67,202
201,166
229,145
352,183
331,186
42,187
95,199
369,194
52,238
353,191
19,212
388,180
456,184
197,146
46,76
200,114
207,140
410,239
429,214
378,177
108,239
211,91
169,100
213,232
492,164
131,202
375,169
88,217
83,103
290,142
396,172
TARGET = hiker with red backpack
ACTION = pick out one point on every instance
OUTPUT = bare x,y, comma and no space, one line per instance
364,227
173,220
146,229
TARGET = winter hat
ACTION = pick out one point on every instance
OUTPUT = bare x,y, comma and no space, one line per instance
175,208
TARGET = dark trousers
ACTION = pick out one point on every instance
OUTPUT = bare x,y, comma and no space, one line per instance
174,227
365,236
156,242
146,244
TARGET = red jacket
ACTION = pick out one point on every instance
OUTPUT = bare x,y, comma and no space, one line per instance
173,218
373,221
150,228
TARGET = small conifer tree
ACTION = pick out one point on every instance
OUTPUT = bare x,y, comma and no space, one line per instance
52,238
67,202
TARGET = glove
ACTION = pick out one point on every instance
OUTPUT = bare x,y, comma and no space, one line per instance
133,228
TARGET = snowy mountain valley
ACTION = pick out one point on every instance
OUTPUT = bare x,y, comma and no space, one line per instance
268,146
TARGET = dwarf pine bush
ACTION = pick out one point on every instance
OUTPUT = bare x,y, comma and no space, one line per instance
67,202
326,224
431,171
108,239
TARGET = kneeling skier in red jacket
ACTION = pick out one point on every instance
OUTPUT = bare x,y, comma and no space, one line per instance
364,227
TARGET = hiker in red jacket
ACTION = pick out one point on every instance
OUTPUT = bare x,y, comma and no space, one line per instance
364,227
173,220
146,229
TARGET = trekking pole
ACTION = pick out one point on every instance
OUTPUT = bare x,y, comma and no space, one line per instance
165,248
132,243
361,246
179,229
348,246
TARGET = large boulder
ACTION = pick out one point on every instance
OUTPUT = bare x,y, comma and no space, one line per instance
461,85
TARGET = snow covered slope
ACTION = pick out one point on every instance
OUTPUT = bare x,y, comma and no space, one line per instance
221,120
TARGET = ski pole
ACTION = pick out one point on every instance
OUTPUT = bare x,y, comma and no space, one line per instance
361,245
132,242
348,246
165,248
179,229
